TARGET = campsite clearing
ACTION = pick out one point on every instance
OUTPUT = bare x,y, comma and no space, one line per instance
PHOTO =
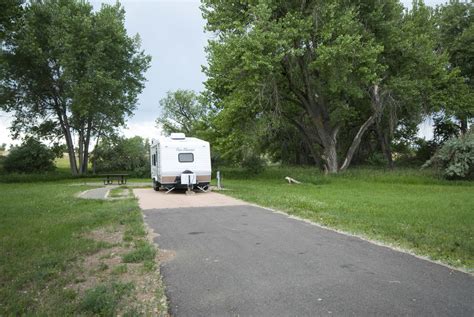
406,208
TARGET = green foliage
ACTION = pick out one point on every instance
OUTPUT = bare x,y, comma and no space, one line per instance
456,25
2,160
182,111
69,70
30,157
331,70
456,157
123,155
376,159
253,163
260,62
455,22
10,13
444,129
103,300
424,150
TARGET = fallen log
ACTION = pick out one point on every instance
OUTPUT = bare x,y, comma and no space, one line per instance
292,180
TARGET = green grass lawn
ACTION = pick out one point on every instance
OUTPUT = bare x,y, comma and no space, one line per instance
408,208
45,234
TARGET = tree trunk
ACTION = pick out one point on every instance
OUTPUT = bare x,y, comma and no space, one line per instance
383,138
81,149
94,161
384,144
67,135
309,139
330,158
356,142
71,152
85,161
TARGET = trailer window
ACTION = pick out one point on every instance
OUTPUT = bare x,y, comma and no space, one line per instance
186,157
154,159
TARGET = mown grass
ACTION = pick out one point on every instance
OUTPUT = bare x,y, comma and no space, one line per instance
43,234
408,208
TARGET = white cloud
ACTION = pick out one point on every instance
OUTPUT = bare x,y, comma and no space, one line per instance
5,137
145,129
425,129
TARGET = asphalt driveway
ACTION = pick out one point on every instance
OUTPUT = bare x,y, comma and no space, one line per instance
235,259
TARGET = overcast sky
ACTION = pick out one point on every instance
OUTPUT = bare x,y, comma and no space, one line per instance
172,33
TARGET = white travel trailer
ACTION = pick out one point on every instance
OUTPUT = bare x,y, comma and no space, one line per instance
180,162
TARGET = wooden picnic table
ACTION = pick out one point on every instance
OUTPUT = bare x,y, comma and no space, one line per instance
120,178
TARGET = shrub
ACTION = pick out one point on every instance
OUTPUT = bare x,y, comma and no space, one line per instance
456,157
30,157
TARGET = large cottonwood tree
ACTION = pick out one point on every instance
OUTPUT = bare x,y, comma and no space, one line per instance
71,74
312,55
334,69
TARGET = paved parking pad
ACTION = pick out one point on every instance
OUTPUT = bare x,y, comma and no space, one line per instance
242,260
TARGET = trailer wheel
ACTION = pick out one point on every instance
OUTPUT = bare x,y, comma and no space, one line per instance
156,186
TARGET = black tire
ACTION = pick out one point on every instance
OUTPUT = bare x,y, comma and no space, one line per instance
156,186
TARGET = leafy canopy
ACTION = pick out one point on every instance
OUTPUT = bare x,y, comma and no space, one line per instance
181,111
69,71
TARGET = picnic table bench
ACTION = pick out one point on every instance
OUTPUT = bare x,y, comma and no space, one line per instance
110,178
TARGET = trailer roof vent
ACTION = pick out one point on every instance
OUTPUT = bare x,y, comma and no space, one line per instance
178,136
